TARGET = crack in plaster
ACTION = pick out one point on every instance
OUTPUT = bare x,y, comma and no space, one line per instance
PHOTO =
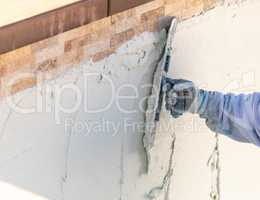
10,112
67,151
122,172
165,185
158,46
16,156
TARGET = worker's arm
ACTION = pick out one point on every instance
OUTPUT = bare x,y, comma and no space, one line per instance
237,116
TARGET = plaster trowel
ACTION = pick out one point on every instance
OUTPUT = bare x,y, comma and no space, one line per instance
156,98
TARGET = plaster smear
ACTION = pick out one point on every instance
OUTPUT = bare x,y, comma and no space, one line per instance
218,51
66,152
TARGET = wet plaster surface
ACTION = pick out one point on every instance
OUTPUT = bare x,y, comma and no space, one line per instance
218,51
98,154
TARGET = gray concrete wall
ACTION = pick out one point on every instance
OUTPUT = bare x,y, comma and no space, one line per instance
80,135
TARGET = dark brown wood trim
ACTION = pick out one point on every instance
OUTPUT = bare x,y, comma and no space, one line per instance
54,22
117,6
51,23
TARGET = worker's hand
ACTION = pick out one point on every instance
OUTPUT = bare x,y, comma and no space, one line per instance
180,95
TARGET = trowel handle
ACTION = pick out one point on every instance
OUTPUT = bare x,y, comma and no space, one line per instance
166,85
163,88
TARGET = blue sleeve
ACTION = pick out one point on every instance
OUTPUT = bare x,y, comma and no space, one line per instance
236,116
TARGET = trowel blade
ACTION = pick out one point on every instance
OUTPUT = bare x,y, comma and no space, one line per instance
155,101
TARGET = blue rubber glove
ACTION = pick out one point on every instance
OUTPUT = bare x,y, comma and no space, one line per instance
236,116
180,96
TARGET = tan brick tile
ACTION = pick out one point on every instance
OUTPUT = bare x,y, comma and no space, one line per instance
171,1
96,47
175,8
149,6
104,23
123,15
47,65
48,53
98,35
12,85
71,34
72,57
101,55
98,25
149,26
15,60
91,38
68,46
185,9
208,4
88,39
192,8
119,38
74,44
124,20
153,15
23,84
47,43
